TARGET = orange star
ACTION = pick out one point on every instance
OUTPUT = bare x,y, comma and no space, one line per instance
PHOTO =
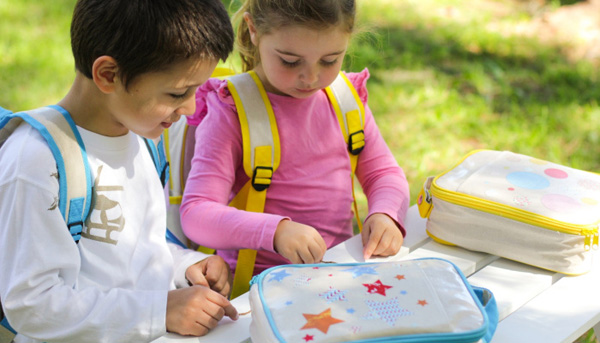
400,277
320,321
422,302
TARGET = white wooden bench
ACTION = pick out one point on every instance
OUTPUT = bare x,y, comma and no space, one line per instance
534,305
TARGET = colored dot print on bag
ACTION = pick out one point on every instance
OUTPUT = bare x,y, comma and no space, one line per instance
589,184
533,185
527,180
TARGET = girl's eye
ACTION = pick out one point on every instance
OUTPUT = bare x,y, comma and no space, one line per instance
290,64
328,63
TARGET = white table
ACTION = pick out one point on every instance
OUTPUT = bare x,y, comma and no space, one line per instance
535,305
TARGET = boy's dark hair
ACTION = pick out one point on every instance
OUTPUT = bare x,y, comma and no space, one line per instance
148,35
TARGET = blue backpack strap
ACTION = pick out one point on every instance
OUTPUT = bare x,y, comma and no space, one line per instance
157,151
57,127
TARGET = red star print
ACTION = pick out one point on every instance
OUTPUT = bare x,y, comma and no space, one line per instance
400,277
422,302
376,287
308,338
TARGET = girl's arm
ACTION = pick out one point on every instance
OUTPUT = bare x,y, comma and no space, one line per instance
215,175
382,179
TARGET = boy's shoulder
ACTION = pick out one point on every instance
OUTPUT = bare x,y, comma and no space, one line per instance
26,155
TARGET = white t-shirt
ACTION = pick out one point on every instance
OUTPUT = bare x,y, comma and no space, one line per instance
112,286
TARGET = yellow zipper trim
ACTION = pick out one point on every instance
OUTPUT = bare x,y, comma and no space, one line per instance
590,232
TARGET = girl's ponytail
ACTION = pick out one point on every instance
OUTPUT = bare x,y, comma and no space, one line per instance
248,52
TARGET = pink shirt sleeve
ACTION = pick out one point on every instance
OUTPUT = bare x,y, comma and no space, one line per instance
206,217
383,181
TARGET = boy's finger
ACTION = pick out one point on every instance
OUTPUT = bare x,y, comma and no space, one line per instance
195,277
231,311
213,272
221,301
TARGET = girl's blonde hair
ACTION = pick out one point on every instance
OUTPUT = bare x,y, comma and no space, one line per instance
269,15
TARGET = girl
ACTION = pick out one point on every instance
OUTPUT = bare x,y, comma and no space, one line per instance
296,48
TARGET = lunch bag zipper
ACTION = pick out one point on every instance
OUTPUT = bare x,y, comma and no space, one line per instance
590,232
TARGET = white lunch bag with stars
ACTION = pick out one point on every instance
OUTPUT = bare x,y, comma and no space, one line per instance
422,300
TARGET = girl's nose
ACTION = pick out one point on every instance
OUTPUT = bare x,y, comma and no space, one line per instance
310,75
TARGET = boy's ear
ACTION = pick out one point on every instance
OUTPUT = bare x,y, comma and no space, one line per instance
104,73
251,28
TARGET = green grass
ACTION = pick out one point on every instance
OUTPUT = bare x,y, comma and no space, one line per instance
447,77
443,86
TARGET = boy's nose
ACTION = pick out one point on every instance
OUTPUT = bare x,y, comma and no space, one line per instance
188,107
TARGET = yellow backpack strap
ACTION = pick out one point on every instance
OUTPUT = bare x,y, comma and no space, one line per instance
178,155
261,156
350,112
174,140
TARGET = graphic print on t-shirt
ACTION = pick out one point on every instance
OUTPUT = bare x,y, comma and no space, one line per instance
107,215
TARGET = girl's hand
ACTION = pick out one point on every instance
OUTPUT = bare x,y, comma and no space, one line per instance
299,243
212,272
381,236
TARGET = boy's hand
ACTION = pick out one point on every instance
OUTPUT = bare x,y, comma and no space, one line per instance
212,272
381,236
193,311
299,243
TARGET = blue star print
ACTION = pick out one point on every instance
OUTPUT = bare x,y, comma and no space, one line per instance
280,275
360,270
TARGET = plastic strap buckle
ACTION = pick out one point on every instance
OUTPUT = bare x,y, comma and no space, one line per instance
261,179
356,142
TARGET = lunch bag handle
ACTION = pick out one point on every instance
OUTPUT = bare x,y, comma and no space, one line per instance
488,301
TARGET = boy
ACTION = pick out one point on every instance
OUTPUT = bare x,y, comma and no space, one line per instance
138,64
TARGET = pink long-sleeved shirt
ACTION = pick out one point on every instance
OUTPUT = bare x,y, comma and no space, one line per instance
312,185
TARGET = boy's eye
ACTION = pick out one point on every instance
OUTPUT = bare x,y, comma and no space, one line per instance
178,96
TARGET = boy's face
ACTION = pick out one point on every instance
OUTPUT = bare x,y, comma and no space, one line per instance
156,100
298,61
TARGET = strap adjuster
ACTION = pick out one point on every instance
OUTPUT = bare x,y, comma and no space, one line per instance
261,179
356,142
75,229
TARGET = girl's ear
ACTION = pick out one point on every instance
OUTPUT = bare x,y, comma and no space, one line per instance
251,28
104,73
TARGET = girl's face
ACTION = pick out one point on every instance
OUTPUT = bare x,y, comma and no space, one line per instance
298,61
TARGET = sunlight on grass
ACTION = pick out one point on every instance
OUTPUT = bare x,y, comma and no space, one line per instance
445,80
